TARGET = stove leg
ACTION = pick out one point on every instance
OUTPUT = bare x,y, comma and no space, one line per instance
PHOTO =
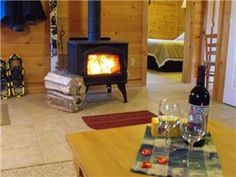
122,88
87,87
109,88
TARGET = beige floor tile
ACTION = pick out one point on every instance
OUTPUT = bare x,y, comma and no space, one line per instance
144,104
51,136
75,124
126,107
113,108
98,97
74,121
15,111
56,152
18,136
21,157
14,130
19,120
61,169
76,128
38,111
85,111
19,140
49,123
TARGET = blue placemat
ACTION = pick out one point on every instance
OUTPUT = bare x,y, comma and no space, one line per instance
204,161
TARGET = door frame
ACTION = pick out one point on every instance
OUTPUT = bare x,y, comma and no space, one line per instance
222,50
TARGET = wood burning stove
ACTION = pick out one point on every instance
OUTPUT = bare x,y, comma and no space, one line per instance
99,60
80,53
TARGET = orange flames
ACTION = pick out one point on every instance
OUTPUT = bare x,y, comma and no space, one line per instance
103,64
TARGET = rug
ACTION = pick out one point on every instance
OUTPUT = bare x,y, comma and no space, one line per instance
5,119
105,121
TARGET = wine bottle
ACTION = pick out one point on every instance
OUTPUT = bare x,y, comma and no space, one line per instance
199,100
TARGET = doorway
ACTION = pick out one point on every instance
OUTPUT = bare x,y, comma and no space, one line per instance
166,35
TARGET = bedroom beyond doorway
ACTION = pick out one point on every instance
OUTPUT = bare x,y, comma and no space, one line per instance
166,31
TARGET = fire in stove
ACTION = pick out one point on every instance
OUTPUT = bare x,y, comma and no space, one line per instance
103,63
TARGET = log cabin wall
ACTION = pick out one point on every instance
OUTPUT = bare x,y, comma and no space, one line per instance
63,28
193,38
120,20
33,46
222,50
166,19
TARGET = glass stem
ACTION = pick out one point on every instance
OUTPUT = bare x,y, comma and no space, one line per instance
154,142
166,138
166,142
190,146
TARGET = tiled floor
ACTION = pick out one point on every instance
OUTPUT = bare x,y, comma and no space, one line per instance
59,169
37,132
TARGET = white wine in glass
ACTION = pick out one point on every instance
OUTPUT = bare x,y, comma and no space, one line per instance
169,117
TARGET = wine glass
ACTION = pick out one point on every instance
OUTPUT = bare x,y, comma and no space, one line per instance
193,130
169,117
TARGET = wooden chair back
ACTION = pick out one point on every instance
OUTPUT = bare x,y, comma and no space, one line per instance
210,57
211,43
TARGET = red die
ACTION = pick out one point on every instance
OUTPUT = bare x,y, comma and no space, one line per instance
146,152
146,164
162,160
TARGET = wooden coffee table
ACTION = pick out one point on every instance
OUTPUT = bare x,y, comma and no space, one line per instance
112,152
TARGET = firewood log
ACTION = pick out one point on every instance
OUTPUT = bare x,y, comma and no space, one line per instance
69,103
66,83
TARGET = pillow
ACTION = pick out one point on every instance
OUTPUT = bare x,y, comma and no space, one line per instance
180,37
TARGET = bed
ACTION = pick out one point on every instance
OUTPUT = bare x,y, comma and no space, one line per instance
166,54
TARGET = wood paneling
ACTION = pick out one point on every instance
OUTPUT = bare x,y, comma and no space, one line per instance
193,38
222,50
63,27
121,20
32,45
144,42
166,19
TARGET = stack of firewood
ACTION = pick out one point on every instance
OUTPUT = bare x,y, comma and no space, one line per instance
65,91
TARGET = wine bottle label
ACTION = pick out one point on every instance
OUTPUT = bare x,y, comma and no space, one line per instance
198,111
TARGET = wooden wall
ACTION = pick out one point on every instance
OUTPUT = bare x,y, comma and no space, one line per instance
193,39
121,20
63,28
222,50
166,19
32,45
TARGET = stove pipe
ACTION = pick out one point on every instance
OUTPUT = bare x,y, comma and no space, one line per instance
94,20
